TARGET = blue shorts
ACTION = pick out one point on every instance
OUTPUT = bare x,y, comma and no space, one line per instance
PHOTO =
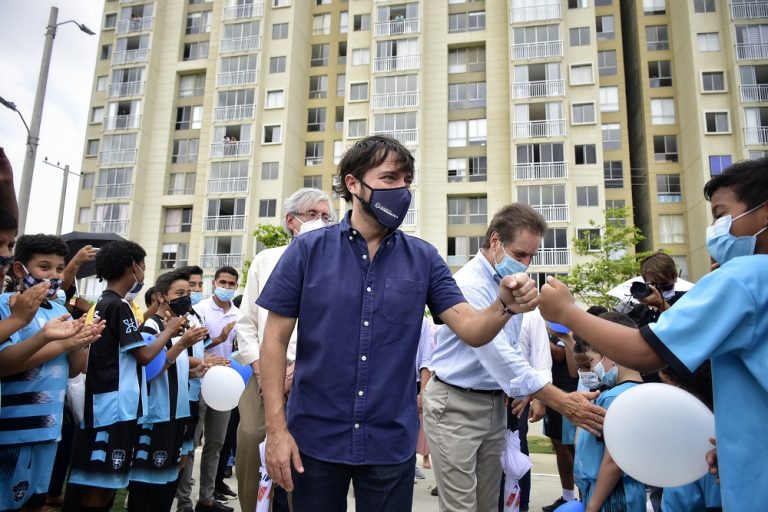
25,472
102,456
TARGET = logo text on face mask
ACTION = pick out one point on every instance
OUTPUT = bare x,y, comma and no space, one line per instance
386,210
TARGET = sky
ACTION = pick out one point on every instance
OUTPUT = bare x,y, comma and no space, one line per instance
65,111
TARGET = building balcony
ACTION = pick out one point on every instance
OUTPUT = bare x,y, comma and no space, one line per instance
548,11
542,171
228,186
112,191
130,56
240,44
220,260
553,212
396,100
312,161
224,223
654,46
125,89
546,128
539,89
749,51
410,219
754,93
537,50
756,135
236,78
233,113
398,27
119,226
245,11
121,123
230,149
405,137
400,63
749,10
118,156
134,25
552,258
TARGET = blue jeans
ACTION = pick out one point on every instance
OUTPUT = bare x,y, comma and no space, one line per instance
378,488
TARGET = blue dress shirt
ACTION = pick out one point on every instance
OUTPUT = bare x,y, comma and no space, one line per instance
359,321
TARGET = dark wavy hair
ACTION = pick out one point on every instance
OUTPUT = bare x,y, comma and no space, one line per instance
27,246
747,179
115,259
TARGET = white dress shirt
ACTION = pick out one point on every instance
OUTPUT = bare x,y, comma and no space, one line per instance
216,319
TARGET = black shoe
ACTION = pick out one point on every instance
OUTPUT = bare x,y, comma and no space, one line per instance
226,490
228,472
434,491
223,498
551,508
213,507
187,509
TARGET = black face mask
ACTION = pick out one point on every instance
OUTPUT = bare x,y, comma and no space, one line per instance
181,305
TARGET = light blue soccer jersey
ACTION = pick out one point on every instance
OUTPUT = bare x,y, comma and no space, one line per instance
702,495
168,393
725,318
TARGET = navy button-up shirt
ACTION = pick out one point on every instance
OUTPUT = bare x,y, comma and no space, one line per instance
353,399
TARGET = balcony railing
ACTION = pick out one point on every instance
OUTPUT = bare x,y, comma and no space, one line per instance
125,89
224,223
541,171
399,63
654,46
118,156
227,149
553,212
121,123
539,89
221,260
410,218
312,161
228,186
405,137
110,226
239,12
396,100
240,44
537,50
750,51
112,191
236,78
550,11
756,135
134,25
749,10
398,27
752,93
550,128
130,56
233,113
552,258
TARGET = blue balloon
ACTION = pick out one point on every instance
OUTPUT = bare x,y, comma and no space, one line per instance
244,370
156,365
571,506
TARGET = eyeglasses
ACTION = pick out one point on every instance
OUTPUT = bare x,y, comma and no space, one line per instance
312,214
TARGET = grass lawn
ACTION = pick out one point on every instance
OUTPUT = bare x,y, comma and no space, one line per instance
119,501
540,444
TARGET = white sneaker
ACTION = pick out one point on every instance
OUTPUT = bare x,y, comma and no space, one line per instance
420,474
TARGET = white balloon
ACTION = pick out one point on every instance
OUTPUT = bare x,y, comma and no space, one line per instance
659,434
221,388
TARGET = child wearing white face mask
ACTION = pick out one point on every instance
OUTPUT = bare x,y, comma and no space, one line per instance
603,485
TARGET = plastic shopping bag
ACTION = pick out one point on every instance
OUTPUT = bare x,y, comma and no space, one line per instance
265,485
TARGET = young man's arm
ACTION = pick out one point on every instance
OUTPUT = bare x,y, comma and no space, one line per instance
146,353
82,338
13,356
607,479
87,253
23,308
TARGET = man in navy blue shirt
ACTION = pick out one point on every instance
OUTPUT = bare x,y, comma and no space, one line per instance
359,289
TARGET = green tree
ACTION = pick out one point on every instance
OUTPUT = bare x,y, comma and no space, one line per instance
611,259
269,236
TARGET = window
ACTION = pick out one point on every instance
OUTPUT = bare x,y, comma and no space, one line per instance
194,51
101,83
583,113
316,119
185,151
181,183
613,174
189,117
83,215
97,115
605,28
110,20
656,37
663,111
466,21
651,7
461,96
578,4
585,154
586,196
319,55
704,5
719,163
580,36
269,170
591,236
342,52
361,22
92,147
665,148
466,60
280,31
313,153
321,24
191,85
275,99
671,229
461,248
343,22
198,22
267,207
277,64
611,135
582,74
609,99
708,42
315,181
358,92
713,81
668,189
472,168
87,183
467,210
473,132
178,220
173,256
281,3
606,62
361,56
716,122
339,120
338,151
358,128
660,73
341,85
106,52
318,86
273,134
754,155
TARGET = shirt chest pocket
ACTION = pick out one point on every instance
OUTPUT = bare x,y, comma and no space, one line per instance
404,301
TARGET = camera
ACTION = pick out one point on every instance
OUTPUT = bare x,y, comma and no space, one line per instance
640,290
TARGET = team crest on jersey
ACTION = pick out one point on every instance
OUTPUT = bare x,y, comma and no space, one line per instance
130,325
20,490
118,458
159,458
